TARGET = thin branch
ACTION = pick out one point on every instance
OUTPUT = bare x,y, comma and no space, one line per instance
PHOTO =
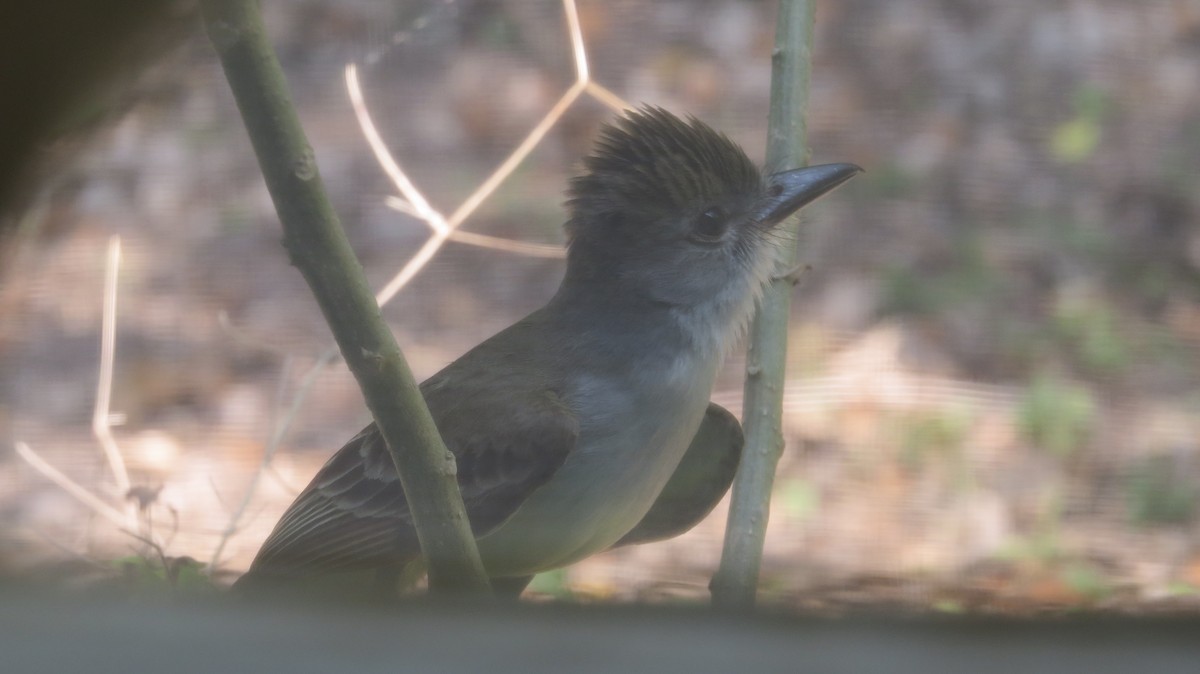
484,240
70,486
602,94
736,581
388,163
578,49
508,245
318,248
518,155
101,412
268,455
442,227
446,228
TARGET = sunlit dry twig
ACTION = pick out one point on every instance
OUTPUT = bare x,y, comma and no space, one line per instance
421,206
578,48
518,155
70,486
416,204
602,94
281,428
101,413
281,425
509,245
443,228
484,240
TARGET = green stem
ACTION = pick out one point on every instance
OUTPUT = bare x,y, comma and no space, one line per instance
736,581
318,247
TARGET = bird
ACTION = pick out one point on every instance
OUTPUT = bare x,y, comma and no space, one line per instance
587,424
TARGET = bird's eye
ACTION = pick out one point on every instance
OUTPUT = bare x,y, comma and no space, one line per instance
710,225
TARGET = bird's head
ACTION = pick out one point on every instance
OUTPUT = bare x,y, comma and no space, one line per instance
675,212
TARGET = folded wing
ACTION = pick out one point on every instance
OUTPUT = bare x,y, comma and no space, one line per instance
353,515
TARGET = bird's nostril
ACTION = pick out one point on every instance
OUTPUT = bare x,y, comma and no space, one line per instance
775,190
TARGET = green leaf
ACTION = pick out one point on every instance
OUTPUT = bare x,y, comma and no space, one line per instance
1075,140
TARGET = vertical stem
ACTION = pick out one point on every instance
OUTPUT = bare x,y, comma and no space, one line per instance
319,249
736,581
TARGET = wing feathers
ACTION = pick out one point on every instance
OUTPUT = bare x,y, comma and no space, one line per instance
353,515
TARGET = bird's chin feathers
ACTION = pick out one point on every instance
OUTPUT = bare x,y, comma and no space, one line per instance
720,321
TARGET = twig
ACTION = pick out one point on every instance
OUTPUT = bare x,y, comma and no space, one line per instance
484,240
443,228
736,580
70,486
318,248
153,545
504,245
446,228
101,413
276,439
602,94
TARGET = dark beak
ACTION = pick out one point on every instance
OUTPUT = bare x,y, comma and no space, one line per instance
789,191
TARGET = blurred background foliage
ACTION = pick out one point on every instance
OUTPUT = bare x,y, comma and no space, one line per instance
994,393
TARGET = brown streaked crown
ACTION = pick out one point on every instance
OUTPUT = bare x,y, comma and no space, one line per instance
650,163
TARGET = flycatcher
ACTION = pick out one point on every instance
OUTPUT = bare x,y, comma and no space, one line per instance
586,424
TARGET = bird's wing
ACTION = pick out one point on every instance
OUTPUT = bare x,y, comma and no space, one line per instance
698,484
353,515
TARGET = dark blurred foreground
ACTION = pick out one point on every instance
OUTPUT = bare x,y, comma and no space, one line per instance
55,634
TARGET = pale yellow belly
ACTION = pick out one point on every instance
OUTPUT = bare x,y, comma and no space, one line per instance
601,492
